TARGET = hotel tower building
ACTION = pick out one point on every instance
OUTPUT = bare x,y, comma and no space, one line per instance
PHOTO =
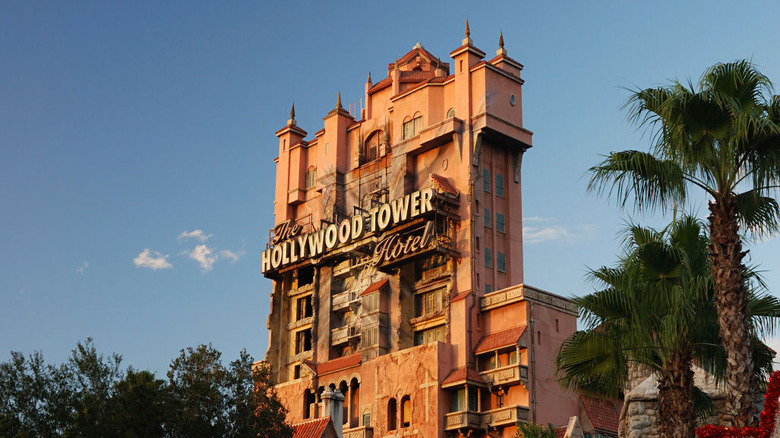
398,304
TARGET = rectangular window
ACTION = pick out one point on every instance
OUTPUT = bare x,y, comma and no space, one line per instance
501,261
488,288
366,420
499,185
428,303
488,257
459,401
429,336
486,179
488,218
311,178
500,223
412,127
303,308
302,341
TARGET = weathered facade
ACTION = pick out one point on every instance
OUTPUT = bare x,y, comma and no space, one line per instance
397,259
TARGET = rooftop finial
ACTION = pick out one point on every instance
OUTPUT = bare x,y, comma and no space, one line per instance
395,66
501,50
369,78
292,112
338,103
467,41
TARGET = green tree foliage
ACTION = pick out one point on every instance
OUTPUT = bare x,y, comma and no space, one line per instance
656,309
533,430
90,396
720,137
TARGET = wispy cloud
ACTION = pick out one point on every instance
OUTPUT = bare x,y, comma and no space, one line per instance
198,235
152,260
233,256
545,230
204,256
83,268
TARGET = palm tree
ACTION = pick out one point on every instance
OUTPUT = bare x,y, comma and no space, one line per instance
655,310
721,136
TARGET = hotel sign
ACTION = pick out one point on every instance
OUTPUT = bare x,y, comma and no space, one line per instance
291,245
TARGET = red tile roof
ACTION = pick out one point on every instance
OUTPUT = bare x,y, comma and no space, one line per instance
312,428
444,184
460,296
463,374
560,432
338,364
416,75
384,83
602,414
375,286
500,339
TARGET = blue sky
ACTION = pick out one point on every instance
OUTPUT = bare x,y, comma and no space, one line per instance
137,145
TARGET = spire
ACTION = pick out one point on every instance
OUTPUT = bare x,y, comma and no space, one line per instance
467,41
395,66
369,78
291,122
501,50
338,102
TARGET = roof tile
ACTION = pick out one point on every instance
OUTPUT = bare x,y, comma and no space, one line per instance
443,184
462,375
375,286
602,413
338,364
312,428
500,339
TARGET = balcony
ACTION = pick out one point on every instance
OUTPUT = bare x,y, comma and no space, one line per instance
342,335
505,416
300,323
509,375
463,420
343,300
359,432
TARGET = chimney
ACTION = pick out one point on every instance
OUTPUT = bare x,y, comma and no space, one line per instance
333,402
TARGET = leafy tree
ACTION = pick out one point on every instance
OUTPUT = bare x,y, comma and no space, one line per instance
656,309
138,406
721,136
533,430
269,413
198,408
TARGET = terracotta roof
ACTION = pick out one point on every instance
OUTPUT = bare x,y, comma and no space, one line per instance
463,374
312,428
338,364
602,414
500,339
416,75
460,296
375,286
384,83
560,432
444,184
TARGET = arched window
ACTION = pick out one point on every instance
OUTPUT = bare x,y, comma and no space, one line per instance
392,414
354,402
311,177
344,391
371,150
499,185
406,411
451,113
413,126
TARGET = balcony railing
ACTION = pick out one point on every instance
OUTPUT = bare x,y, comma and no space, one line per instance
505,416
341,335
359,432
499,417
509,375
342,301
463,420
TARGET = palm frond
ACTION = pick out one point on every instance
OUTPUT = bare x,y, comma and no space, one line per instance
652,182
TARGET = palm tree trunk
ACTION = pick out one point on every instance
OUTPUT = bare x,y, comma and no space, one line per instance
676,418
731,300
